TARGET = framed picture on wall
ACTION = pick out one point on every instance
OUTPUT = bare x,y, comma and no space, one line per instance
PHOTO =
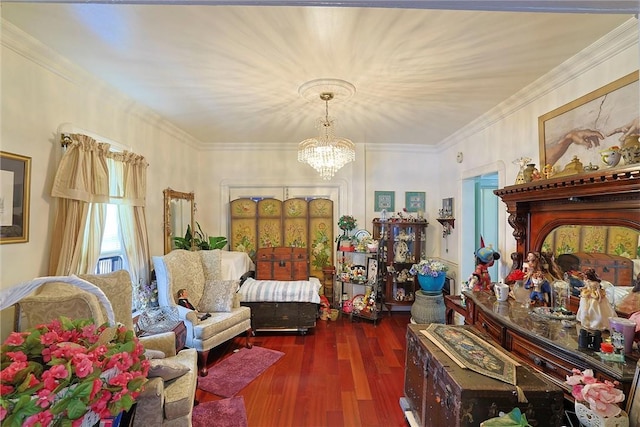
15,182
414,201
447,208
384,200
589,124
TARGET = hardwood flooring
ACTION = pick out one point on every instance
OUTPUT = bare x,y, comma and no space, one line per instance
342,373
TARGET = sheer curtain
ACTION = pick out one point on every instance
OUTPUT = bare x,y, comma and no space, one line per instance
89,177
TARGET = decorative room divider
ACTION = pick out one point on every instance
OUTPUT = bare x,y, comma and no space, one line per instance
293,223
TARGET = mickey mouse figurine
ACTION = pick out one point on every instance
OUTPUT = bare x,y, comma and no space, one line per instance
480,279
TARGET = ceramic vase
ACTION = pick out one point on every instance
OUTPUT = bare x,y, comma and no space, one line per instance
528,172
431,284
588,418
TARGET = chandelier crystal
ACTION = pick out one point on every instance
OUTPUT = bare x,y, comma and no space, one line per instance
327,153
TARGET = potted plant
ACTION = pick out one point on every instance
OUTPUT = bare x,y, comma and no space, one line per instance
199,240
431,274
346,223
69,371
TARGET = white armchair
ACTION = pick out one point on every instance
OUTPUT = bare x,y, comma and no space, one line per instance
200,272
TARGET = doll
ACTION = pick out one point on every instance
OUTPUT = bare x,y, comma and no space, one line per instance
183,300
480,279
594,310
540,289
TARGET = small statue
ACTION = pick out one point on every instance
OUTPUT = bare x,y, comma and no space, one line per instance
594,310
480,279
540,289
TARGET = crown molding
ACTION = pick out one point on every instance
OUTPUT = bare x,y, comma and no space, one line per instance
623,37
32,49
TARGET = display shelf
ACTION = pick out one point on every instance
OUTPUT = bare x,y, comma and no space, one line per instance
402,243
358,284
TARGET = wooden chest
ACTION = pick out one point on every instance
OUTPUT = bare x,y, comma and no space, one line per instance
612,268
299,316
282,264
440,393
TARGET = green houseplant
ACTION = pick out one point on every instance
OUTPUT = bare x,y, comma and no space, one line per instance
199,240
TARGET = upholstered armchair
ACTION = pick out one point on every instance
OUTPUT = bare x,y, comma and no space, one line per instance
212,287
163,401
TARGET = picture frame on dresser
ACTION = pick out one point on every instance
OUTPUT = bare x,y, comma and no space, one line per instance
589,124
15,186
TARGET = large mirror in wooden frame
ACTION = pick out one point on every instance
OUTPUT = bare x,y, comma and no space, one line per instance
179,213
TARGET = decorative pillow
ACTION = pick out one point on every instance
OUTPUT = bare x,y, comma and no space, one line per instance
153,354
218,296
166,369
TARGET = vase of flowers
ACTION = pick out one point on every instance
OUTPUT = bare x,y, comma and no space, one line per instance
69,373
431,274
596,402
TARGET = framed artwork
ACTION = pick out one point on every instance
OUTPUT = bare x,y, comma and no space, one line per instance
15,182
447,208
414,201
589,124
372,270
384,200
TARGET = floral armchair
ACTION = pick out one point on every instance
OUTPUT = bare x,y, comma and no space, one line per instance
163,401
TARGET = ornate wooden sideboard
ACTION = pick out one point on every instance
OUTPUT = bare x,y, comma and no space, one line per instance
544,344
610,197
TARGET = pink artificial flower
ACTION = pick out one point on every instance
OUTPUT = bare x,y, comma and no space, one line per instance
3,413
17,356
8,374
122,361
50,376
100,406
15,339
43,418
602,397
6,389
97,386
49,338
45,397
121,380
82,365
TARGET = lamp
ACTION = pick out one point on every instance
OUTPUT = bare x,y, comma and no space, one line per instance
327,153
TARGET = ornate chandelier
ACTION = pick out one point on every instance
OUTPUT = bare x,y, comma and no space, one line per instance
327,153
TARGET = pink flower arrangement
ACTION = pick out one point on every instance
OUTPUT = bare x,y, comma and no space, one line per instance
602,397
54,374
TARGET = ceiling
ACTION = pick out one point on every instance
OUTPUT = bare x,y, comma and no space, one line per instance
230,73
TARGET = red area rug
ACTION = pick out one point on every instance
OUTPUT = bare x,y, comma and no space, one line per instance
220,413
235,372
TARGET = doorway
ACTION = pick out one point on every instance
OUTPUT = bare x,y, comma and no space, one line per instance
479,220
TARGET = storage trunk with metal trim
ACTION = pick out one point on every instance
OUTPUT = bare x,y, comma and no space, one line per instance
440,393
282,263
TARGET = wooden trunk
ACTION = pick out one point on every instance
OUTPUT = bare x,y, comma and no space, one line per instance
612,268
282,264
298,316
440,393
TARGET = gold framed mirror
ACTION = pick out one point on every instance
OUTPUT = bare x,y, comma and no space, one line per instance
179,212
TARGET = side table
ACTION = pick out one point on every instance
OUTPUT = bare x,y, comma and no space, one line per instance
181,335
453,304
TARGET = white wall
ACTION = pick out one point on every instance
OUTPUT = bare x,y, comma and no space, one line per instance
39,93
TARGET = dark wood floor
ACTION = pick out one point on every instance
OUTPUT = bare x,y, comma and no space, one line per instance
341,373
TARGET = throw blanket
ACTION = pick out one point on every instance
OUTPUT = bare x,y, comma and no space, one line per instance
281,291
